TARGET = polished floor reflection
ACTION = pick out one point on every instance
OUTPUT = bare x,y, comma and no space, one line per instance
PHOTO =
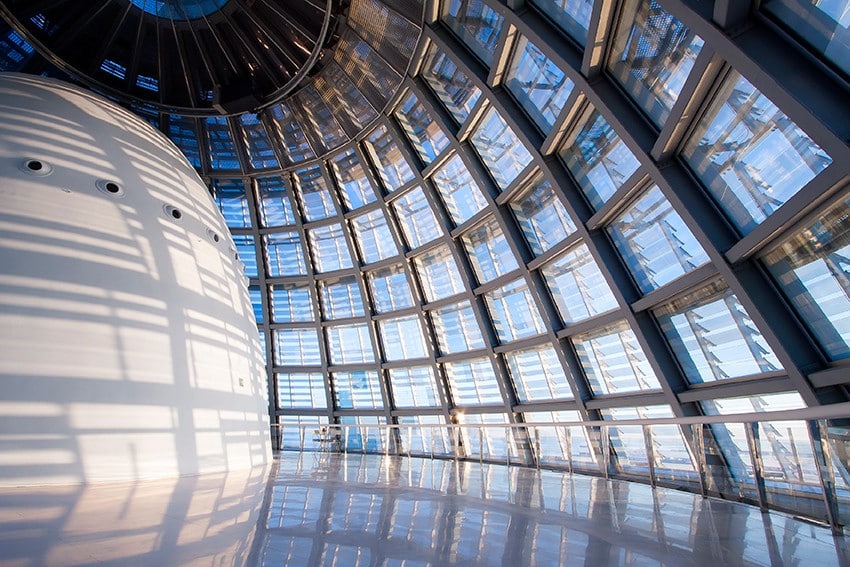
320,509
373,510
189,521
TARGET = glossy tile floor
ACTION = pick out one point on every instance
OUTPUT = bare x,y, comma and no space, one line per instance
388,511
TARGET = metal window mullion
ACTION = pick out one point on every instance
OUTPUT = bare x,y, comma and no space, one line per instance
819,438
752,431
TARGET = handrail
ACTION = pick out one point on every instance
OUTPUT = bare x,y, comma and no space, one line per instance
791,460
831,411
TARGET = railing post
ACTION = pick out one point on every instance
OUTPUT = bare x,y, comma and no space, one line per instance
650,452
699,454
818,434
752,430
481,446
569,438
606,451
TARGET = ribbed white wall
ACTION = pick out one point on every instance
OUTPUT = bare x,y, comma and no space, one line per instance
128,347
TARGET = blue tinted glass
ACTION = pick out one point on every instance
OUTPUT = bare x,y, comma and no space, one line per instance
184,133
538,84
750,155
654,241
813,269
14,52
477,25
231,199
573,16
220,141
247,253
598,159
257,143
180,9
274,200
284,254
257,302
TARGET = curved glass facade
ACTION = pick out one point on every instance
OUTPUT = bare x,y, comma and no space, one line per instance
575,209
533,227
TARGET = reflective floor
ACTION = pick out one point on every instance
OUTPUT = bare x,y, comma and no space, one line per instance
320,509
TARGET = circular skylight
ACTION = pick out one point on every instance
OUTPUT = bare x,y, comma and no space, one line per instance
180,9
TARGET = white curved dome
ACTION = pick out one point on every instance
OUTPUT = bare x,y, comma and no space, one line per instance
129,346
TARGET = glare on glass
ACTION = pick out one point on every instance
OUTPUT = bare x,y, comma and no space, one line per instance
749,155
290,134
541,216
491,443
341,298
284,254
514,314
350,344
296,347
424,440
477,25
613,360
538,375
329,248
301,390
499,148
452,86
275,201
316,199
388,158
232,201
352,180
473,382
823,25
319,120
652,57
438,273
426,136
539,85
416,218
460,192
598,159
577,286
257,144
291,303
713,336
390,288
655,242
489,252
414,387
357,390
373,236
456,328
402,338
812,267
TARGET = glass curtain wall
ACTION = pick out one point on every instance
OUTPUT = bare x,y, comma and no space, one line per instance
560,215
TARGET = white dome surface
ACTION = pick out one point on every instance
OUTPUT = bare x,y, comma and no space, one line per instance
128,346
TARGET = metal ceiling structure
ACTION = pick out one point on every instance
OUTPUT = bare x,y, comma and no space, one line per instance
192,57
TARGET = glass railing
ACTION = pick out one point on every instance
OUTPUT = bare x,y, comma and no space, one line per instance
791,461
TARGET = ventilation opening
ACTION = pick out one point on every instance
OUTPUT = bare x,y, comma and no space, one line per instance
173,212
36,167
112,188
